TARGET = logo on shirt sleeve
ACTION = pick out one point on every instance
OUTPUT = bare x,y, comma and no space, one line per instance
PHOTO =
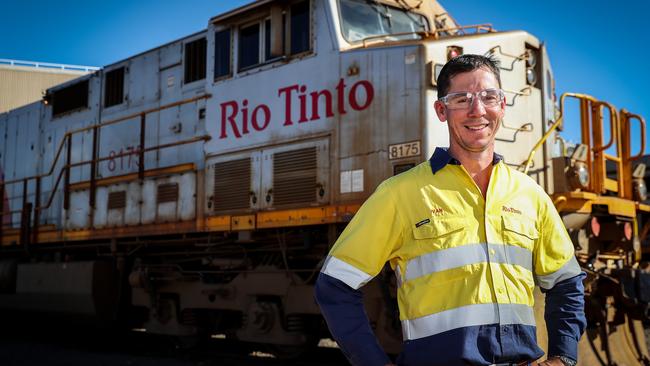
425,221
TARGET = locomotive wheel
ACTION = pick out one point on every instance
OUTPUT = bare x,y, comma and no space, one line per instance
602,344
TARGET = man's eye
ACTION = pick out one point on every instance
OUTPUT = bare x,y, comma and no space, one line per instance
458,100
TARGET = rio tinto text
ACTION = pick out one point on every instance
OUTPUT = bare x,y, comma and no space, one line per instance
239,118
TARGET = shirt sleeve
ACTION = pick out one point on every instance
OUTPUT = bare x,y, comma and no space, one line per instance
367,242
559,276
565,317
342,308
358,255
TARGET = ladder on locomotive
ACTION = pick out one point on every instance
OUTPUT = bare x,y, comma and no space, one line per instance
617,150
592,130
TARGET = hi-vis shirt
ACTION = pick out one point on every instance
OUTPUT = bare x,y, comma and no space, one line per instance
466,268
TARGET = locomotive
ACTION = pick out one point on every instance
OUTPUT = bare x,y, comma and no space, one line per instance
194,189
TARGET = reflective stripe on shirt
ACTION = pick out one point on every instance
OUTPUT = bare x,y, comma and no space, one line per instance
466,316
449,258
345,272
569,270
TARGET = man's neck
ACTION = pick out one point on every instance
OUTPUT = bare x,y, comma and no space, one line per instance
477,164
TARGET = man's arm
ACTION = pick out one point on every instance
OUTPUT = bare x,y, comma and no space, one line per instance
565,318
358,255
559,276
342,307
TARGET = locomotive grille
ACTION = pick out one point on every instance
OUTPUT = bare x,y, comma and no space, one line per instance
232,181
168,192
294,176
116,200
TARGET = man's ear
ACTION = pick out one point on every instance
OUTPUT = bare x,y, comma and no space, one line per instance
441,111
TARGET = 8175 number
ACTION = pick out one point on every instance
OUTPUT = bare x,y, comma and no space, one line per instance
404,150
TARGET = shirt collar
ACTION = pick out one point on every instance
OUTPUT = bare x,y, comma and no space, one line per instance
441,157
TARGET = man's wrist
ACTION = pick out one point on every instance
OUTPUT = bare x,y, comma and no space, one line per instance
567,361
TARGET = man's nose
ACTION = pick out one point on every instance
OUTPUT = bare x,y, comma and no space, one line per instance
476,108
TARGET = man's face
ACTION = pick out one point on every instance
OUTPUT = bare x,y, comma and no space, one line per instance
472,129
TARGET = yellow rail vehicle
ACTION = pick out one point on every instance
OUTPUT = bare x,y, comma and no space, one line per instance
196,188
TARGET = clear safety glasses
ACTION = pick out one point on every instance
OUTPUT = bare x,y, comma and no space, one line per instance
464,100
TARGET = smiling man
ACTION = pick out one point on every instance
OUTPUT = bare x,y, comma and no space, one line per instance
468,238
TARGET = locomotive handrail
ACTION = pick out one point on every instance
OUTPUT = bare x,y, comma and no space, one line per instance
626,149
629,116
67,140
554,126
613,125
423,34
486,27
153,148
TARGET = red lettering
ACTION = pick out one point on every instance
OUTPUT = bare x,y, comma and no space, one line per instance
370,94
287,103
340,89
314,104
230,118
244,112
267,117
303,104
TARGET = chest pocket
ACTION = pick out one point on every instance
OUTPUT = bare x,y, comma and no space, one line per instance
440,234
519,231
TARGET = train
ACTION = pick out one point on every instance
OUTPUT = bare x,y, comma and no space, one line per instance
194,190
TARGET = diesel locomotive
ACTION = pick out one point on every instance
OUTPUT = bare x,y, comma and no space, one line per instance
194,189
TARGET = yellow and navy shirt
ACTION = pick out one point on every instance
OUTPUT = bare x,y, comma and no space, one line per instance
466,267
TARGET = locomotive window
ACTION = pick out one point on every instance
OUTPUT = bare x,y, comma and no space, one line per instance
195,60
249,46
267,39
300,29
70,98
114,87
361,19
222,53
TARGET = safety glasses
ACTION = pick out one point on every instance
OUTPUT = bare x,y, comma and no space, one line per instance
490,98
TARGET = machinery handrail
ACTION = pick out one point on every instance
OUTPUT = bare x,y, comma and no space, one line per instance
558,122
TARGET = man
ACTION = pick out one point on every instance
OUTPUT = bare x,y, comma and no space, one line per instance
468,238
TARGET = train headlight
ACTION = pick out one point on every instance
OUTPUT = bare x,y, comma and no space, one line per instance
531,77
640,190
531,58
578,176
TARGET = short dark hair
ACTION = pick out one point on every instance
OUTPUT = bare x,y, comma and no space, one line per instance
465,63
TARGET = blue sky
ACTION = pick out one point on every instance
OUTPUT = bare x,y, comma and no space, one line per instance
595,47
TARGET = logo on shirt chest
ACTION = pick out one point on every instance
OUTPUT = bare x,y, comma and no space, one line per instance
437,211
510,210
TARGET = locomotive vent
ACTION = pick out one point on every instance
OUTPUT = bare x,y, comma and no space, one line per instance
167,192
232,180
295,176
116,200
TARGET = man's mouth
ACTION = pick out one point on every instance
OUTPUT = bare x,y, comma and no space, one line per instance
477,127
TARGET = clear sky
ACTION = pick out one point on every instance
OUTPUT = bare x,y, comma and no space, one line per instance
598,47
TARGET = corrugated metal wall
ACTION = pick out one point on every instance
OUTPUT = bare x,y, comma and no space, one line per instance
24,85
